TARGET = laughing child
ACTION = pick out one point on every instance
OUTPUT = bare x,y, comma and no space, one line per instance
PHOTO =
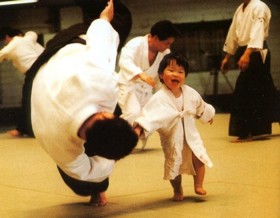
172,112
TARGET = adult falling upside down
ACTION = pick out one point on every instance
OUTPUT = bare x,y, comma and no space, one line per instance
73,98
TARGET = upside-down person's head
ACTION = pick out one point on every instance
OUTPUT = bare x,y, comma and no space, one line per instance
121,22
110,138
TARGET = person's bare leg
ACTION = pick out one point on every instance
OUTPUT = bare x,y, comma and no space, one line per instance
98,199
199,177
177,188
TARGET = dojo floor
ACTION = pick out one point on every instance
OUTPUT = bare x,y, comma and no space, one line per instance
244,181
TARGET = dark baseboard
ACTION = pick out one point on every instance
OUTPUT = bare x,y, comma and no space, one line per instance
9,116
221,103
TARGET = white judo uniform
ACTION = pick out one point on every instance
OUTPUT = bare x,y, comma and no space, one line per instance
77,82
134,93
178,133
249,28
22,51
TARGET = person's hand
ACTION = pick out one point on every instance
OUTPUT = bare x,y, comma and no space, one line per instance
211,121
224,65
243,62
147,79
108,12
138,130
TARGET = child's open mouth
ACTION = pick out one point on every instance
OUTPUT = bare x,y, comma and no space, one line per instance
175,81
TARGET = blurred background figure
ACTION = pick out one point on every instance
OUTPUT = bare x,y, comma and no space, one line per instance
254,91
22,50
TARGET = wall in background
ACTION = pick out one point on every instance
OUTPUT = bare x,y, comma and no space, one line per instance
47,20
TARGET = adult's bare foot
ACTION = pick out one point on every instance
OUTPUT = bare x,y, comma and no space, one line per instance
103,199
240,140
98,199
15,133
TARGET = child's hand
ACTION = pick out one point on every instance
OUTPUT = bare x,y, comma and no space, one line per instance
138,129
210,121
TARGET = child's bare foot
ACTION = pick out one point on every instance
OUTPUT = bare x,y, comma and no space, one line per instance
177,188
98,199
178,197
200,191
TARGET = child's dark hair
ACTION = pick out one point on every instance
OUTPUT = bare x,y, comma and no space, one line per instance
180,59
110,138
164,29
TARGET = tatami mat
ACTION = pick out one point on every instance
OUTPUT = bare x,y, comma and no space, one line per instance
244,181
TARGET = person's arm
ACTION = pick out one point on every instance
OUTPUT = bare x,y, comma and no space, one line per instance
5,52
258,33
224,65
158,113
244,60
147,79
3,55
31,36
128,65
259,26
108,12
96,76
102,41
129,54
230,45
139,130
204,112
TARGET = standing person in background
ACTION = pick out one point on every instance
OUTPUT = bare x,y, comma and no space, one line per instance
138,63
22,50
254,90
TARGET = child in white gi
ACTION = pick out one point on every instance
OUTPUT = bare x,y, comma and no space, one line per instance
172,112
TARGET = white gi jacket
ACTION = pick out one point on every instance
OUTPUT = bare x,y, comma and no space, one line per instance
249,27
77,82
134,60
177,127
22,51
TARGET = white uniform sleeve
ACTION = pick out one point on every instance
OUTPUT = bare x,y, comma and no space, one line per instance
6,51
208,113
156,114
231,42
102,43
31,36
259,29
127,61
